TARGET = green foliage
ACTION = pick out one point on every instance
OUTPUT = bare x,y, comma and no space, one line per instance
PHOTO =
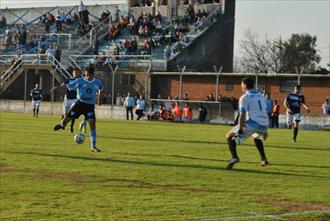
158,171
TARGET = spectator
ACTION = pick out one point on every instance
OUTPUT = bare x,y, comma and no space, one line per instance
177,112
210,97
50,53
140,107
185,97
117,12
58,23
202,113
58,54
81,10
326,108
129,104
187,113
269,106
3,21
95,46
275,114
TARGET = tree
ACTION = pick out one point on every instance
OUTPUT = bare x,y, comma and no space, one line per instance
278,56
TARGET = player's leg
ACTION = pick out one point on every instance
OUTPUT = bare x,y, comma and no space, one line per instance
260,146
289,120
83,124
34,108
232,148
37,108
295,126
75,112
127,110
92,126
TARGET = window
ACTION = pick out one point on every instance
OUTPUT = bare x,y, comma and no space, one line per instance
262,88
287,86
229,87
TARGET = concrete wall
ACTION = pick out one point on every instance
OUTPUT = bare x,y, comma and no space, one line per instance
105,112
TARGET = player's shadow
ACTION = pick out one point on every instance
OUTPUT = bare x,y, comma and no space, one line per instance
162,164
207,142
215,160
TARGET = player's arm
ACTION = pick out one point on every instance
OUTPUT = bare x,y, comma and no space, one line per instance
243,106
63,85
305,105
286,105
241,120
98,95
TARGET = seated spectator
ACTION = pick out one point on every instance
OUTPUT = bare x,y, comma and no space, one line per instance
122,22
50,52
210,97
134,45
113,32
187,113
102,60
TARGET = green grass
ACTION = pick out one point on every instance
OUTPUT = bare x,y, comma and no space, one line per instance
158,171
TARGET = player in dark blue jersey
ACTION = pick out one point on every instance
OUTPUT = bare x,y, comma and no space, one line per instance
88,93
293,103
70,97
36,94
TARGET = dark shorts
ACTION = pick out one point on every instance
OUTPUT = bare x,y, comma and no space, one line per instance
80,108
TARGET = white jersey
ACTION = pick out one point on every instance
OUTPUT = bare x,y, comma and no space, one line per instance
253,103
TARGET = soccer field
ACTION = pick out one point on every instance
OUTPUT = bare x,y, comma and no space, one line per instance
158,171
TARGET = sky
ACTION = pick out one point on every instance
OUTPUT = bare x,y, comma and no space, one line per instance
271,18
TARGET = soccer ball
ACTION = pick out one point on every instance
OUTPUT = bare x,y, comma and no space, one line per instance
79,138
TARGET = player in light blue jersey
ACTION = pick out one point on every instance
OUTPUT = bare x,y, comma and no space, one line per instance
88,93
253,121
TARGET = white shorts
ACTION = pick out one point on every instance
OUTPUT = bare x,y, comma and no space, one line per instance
248,131
293,117
36,103
67,105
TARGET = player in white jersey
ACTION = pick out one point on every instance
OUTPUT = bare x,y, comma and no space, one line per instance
253,121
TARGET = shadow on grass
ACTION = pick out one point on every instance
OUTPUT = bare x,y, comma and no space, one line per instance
215,160
153,163
152,139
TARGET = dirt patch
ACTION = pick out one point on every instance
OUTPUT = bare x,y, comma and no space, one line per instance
290,206
70,176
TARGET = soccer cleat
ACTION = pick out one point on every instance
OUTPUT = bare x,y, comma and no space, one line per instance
95,149
58,127
294,140
264,163
231,163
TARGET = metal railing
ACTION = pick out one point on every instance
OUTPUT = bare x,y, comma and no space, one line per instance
32,59
123,61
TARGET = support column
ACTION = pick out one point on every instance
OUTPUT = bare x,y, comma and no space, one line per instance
256,84
25,89
53,93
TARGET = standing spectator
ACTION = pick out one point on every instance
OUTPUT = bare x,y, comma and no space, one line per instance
187,113
202,113
326,108
3,22
269,106
8,38
50,53
177,112
58,23
275,114
81,10
140,107
117,11
95,46
57,54
129,104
